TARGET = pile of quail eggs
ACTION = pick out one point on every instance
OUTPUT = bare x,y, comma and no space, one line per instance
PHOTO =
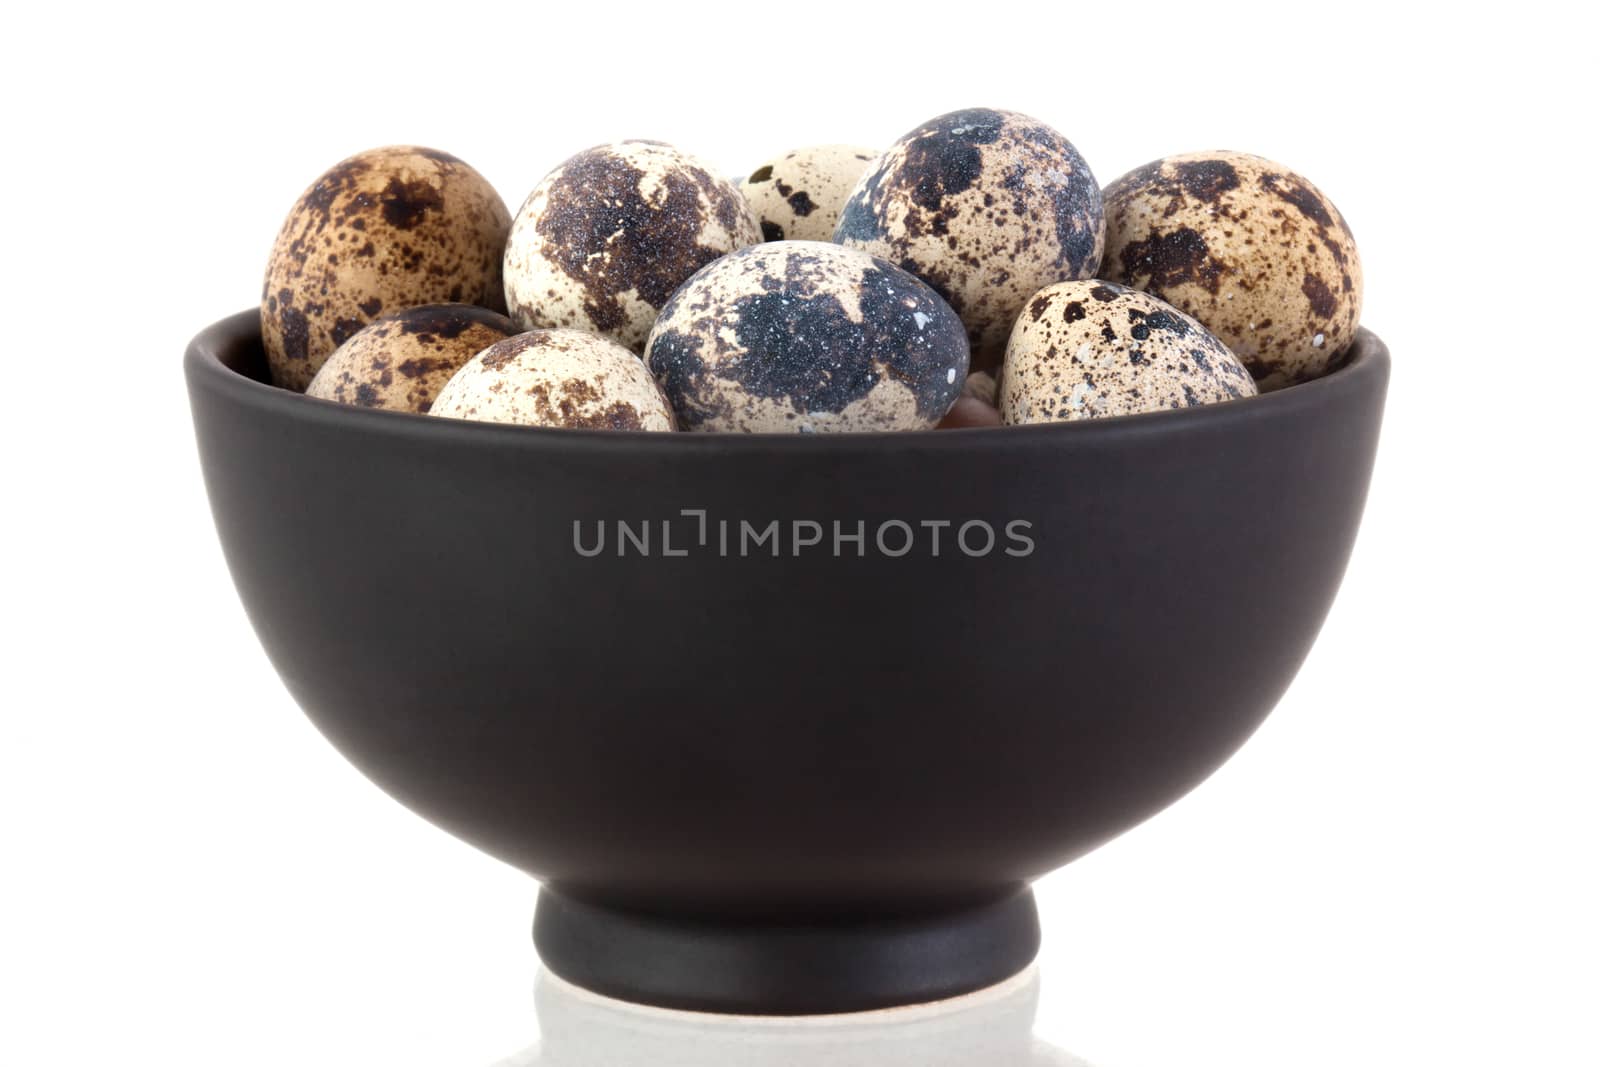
973,274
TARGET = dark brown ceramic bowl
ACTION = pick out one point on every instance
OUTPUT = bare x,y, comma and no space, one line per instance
814,780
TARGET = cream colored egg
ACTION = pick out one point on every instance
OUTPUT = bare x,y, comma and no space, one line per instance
400,362
806,337
798,196
382,231
566,378
609,235
1089,349
1248,247
988,207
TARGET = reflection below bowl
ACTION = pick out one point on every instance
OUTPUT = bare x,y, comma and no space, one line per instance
990,1028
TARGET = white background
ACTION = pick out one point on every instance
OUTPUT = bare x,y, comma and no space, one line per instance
1399,869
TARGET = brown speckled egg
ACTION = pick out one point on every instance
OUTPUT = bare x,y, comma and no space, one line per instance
798,195
975,407
566,378
1246,246
970,413
801,336
402,361
986,206
1087,349
382,231
607,236
981,385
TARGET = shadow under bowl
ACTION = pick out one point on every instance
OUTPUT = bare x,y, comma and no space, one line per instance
785,724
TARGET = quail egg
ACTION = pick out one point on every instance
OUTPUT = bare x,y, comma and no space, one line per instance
802,336
384,230
986,206
1087,349
981,385
975,406
1246,246
798,196
606,237
401,361
566,378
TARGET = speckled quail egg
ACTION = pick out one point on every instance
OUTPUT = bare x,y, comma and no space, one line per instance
401,361
384,230
1087,349
986,206
804,336
1246,246
981,385
798,196
607,236
566,378
975,406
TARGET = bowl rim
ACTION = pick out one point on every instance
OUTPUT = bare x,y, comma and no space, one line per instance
205,369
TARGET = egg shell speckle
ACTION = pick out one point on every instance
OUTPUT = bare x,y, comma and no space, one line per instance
384,230
1089,349
565,378
801,336
798,196
986,206
1246,246
400,362
609,235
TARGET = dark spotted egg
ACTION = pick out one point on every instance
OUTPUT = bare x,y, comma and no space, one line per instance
563,378
606,237
802,336
986,206
798,196
1088,349
402,361
382,231
1246,246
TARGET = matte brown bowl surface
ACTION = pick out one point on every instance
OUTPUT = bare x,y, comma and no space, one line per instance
701,750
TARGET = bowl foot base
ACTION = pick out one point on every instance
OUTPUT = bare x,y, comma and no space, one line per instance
808,968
